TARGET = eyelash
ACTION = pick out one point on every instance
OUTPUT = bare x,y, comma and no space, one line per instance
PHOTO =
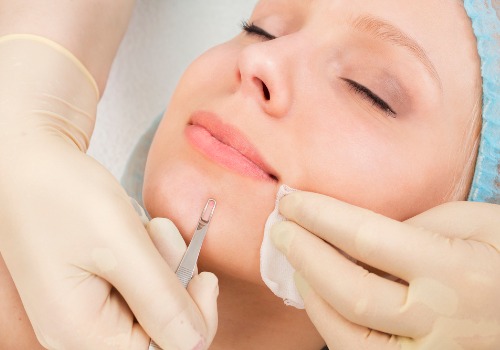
366,93
369,95
252,29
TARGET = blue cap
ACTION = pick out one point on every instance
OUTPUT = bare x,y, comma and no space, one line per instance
486,23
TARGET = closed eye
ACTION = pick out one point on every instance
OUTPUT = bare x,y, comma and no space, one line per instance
252,29
367,94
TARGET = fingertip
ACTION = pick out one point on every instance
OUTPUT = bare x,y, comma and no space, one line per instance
207,282
168,231
204,289
289,203
167,240
282,236
162,223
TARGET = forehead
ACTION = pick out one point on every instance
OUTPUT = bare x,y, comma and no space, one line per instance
421,19
428,11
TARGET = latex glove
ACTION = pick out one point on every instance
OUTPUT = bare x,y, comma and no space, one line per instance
449,256
169,242
78,253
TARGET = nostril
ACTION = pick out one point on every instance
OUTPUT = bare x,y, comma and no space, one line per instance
267,95
260,85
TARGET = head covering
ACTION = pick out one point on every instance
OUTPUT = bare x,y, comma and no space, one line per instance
485,16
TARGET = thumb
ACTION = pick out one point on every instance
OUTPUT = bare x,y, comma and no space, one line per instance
151,289
462,220
204,289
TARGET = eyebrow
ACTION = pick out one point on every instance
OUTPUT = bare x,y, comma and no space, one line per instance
387,32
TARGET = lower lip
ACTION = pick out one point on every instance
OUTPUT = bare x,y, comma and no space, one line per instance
223,154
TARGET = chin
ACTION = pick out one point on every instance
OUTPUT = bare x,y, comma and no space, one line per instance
178,187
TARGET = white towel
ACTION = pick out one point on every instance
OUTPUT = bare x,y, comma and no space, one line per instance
275,270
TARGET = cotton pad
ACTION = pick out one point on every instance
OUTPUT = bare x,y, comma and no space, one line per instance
275,270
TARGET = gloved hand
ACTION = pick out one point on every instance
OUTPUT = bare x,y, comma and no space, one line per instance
449,258
77,251
169,242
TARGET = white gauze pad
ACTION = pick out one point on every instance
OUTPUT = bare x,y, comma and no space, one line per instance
275,270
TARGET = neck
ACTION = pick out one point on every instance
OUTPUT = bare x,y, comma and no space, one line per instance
251,317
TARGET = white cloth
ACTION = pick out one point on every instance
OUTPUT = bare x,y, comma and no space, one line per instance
275,270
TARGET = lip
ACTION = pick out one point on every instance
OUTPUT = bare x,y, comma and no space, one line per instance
227,146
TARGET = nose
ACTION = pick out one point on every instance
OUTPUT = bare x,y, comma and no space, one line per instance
264,72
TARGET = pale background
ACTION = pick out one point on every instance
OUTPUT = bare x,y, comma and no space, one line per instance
163,38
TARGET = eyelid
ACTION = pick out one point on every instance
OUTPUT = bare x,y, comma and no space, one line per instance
377,101
252,29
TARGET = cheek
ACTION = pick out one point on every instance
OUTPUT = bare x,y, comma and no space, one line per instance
369,164
213,71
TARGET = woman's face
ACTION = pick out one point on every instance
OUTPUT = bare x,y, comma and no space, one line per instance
365,101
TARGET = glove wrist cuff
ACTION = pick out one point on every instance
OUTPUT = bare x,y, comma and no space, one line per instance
44,87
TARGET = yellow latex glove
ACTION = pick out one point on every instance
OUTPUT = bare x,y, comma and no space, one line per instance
78,253
449,256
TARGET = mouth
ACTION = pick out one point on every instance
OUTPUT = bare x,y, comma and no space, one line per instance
226,146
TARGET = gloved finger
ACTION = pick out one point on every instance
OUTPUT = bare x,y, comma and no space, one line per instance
168,240
204,289
338,332
361,297
149,286
368,237
462,220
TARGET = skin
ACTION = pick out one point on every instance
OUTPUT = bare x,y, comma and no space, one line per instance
336,141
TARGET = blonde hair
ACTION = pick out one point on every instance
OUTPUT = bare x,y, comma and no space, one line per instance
468,153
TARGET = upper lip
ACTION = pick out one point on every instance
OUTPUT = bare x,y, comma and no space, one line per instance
232,137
